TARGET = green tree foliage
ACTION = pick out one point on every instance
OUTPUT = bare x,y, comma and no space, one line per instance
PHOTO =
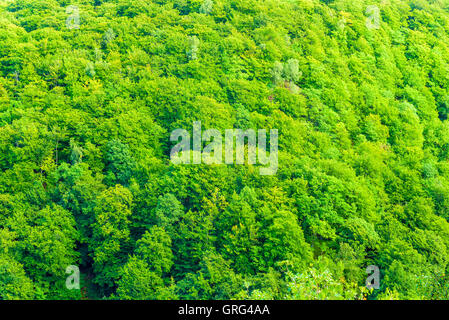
110,240
360,102
168,212
119,162
14,284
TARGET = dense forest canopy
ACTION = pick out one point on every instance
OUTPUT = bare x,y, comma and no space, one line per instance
90,91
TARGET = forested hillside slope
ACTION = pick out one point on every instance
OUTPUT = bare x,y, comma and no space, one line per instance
91,90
